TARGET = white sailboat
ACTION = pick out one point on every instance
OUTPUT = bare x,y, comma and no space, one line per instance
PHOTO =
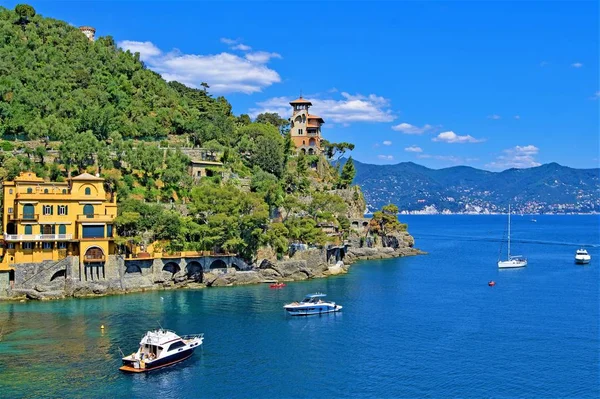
514,260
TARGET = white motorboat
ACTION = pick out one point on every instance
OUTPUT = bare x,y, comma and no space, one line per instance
582,257
161,348
310,305
512,261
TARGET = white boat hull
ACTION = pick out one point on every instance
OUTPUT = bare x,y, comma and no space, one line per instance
312,309
511,264
582,260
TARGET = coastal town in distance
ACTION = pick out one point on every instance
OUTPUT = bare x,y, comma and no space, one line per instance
281,200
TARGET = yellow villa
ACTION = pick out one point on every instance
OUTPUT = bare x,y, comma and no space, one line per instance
46,221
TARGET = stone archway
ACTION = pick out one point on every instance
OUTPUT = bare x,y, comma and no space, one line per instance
171,267
132,268
218,264
194,271
59,274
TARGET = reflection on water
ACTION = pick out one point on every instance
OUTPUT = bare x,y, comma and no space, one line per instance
410,327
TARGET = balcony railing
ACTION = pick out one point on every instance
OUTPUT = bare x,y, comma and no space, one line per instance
25,216
95,217
37,237
312,134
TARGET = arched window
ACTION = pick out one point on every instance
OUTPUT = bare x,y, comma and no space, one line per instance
88,210
29,190
88,191
62,229
64,191
45,191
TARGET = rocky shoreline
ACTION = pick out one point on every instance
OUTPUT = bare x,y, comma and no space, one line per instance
304,265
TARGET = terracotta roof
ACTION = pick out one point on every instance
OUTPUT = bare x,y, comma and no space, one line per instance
87,28
300,101
316,117
86,176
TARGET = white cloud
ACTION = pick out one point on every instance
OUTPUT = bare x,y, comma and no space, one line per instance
386,157
228,41
596,95
577,65
413,148
350,108
407,128
494,117
451,137
387,142
517,117
242,47
147,50
516,157
224,72
261,57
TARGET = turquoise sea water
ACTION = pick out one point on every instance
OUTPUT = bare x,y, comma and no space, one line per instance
426,326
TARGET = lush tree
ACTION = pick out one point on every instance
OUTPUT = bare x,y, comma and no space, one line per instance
347,174
25,13
332,149
275,237
274,119
79,150
386,220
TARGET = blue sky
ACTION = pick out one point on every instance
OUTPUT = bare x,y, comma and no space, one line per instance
487,84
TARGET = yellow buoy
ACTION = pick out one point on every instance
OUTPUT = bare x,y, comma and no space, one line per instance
102,327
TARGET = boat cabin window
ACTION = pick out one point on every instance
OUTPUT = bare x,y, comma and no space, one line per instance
176,345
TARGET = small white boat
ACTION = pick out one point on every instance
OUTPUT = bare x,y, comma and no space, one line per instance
312,304
161,348
512,261
582,257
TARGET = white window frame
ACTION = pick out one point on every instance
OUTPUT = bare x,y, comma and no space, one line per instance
47,210
27,245
62,210
46,245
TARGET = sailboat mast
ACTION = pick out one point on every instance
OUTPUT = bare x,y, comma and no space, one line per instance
508,231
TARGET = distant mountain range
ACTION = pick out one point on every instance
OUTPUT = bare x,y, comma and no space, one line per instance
550,188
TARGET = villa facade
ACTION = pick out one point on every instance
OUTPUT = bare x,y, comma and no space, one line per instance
47,221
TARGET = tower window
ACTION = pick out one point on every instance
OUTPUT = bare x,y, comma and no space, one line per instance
299,131
29,190
88,191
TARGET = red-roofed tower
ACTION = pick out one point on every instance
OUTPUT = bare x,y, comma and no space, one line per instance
305,129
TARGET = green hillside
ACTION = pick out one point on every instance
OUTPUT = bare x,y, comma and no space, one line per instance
69,105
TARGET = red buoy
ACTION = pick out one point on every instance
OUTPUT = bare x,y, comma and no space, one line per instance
492,283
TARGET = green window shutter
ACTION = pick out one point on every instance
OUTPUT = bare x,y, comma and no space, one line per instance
66,209
41,229
52,209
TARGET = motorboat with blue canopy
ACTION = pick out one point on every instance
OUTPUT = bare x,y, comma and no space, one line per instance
312,304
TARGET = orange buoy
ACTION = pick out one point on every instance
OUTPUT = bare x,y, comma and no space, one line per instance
492,283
